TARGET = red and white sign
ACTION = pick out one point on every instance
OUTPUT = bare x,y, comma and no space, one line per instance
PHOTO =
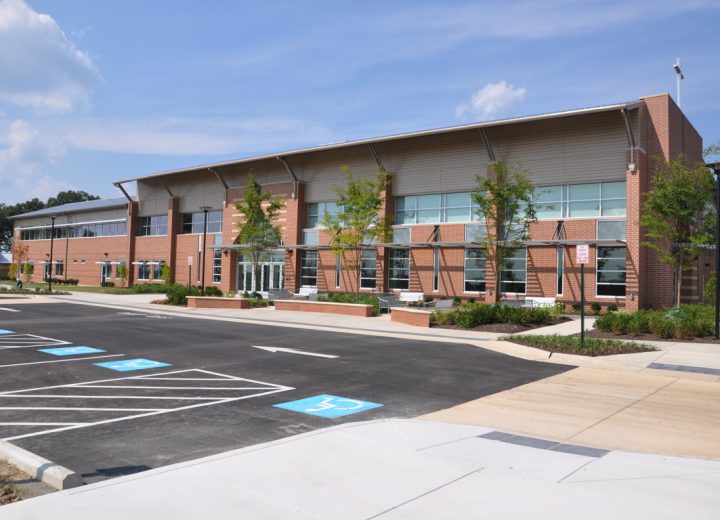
582,254
190,260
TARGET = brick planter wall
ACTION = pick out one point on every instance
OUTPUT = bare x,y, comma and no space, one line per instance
414,317
216,302
349,309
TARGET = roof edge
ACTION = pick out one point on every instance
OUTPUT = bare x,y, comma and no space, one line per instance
392,137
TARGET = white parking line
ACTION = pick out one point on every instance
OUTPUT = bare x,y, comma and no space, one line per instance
61,360
42,424
8,310
262,389
80,385
83,409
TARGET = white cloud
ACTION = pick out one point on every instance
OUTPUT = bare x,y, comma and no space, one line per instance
25,153
490,100
191,136
40,67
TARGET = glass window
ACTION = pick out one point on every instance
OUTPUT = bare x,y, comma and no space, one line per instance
475,261
368,269
548,202
399,269
310,237
195,222
428,211
157,269
308,269
457,207
612,230
513,274
434,209
475,233
401,235
59,268
217,265
312,215
316,212
143,270
611,271
560,261
156,225
338,269
436,269
405,210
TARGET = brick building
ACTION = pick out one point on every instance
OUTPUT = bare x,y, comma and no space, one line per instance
590,166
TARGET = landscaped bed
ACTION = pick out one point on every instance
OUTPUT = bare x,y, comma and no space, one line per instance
688,323
496,317
571,345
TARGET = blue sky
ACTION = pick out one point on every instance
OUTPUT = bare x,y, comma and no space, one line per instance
92,91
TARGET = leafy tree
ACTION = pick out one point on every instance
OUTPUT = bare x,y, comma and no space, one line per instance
166,274
676,217
712,151
505,205
28,270
122,272
356,225
257,232
20,254
68,197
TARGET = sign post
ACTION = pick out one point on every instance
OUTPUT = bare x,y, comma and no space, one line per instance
582,257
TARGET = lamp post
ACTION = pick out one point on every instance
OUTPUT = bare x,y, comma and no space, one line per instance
52,239
680,76
205,210
716,168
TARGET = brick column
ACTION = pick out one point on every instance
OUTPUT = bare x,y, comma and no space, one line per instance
294,221
383,253
173,228
132,225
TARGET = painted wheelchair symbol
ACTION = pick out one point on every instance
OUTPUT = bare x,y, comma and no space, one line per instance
332,403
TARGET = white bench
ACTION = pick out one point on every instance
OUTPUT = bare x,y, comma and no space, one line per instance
306,292
534,301
412,297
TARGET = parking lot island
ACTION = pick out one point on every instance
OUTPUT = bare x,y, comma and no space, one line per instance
348,309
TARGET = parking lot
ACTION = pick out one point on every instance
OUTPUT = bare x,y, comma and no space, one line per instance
107,392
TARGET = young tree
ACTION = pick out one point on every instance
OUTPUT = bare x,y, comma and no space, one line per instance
166,274
28,270
677,215
258,233
20,254
356,225
122,272
505,205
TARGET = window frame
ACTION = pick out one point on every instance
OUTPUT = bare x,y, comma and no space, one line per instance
515,270
363,268
598,271
393,251
473,269
305,268
442,209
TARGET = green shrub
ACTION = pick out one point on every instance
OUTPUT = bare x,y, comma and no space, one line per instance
621,322
364,299
539,315
213,291
709,292
605,322
662,325
612,307
577,306
557,310
107,284
639,323
595,306
147,288
468,315
456,301
444,317
177,294
166,274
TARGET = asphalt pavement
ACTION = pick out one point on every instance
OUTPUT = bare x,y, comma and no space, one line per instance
181,388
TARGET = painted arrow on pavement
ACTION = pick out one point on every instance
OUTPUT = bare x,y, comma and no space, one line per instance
294,351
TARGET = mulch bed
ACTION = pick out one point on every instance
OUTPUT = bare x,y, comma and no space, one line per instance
503,328
648,337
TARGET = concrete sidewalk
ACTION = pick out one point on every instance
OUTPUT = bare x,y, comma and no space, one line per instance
400,469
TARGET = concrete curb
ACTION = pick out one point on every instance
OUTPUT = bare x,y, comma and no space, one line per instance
39,468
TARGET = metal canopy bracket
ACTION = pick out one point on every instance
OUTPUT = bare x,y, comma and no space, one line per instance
220,178
488,146
167,188
119,186
630,136
375,156
290,171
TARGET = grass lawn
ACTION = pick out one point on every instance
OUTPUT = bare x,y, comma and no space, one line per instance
72,288
571,345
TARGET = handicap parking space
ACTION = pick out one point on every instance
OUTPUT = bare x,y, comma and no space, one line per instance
97,390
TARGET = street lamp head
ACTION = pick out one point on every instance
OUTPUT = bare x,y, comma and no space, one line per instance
677,69
205,209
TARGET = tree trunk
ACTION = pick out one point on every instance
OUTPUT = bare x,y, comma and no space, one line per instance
679,285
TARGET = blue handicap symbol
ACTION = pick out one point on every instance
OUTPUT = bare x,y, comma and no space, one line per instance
3,331
70,351
132,364
328,406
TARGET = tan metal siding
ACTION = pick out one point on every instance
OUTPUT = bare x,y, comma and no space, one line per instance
322,171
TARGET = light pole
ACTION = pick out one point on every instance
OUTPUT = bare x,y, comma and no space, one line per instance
716,168
680,76
205,210
52,239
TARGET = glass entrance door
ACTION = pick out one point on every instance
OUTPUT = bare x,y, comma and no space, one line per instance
105,272
271,275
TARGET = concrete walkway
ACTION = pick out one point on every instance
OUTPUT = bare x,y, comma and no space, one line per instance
400,470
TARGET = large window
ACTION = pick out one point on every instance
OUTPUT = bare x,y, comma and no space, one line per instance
308,269
611,271
399,269
88,230
368,269
434,209
316,213
560,260
157,269
156,225
143,270
194,222
401,235
59,268
513,275
217,265
475,270
612,229
606,199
